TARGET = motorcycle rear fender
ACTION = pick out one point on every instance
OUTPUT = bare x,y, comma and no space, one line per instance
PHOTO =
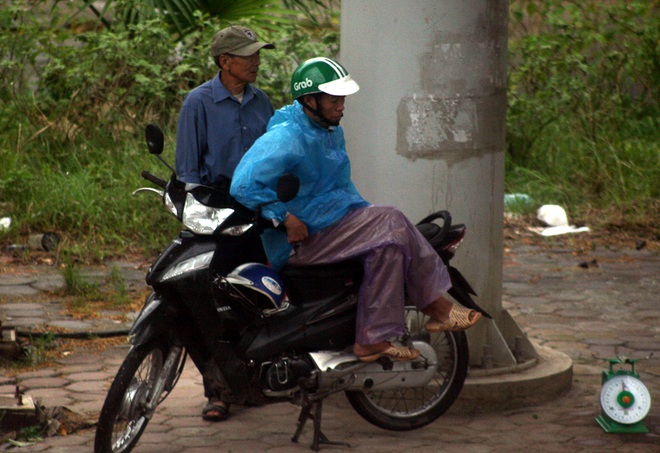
155,319
462,291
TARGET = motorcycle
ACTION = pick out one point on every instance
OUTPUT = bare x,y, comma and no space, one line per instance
258,337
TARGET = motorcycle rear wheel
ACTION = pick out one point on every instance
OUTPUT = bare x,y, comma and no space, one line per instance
412,408
123,417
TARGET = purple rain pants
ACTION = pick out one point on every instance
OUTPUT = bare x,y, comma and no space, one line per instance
397,259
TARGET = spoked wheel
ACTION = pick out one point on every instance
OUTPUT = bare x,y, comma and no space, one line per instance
142,379
412,408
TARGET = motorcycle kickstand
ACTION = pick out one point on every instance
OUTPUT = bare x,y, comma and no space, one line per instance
312,408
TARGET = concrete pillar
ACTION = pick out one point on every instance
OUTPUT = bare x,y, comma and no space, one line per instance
426,131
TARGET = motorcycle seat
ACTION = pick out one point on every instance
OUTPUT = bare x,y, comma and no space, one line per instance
323,283
429,230
342,270
434,233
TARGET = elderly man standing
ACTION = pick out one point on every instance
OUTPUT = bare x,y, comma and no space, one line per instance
218,123
222,118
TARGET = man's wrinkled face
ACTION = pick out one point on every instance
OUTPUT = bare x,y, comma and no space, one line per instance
243,69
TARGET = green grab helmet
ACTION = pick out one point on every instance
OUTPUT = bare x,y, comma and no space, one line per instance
322,75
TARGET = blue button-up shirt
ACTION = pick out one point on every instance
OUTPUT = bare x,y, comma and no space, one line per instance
215,130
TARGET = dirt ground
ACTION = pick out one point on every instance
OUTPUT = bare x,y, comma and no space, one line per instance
615,235
621,235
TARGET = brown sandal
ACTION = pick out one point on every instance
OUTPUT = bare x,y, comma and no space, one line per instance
460,318
394,352
215,411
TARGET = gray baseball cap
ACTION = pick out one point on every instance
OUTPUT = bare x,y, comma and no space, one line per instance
237,40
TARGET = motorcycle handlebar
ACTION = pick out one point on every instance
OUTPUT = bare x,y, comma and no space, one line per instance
154,179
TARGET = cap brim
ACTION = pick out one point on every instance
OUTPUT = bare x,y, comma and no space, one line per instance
340,87
251,49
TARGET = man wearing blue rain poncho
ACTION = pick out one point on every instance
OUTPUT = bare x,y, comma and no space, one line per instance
330,222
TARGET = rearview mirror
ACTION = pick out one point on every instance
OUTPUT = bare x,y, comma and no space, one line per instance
155,139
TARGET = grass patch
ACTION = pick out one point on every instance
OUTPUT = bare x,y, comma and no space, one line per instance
582,123
87,295
36,350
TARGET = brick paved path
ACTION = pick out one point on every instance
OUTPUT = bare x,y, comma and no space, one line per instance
613,308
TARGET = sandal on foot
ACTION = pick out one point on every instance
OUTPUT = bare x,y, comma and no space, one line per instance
215,411
460,318
394,352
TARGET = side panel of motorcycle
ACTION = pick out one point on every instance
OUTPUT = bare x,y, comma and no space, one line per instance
296,330
192,286
321,314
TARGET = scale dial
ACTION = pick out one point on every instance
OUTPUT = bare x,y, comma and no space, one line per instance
625,399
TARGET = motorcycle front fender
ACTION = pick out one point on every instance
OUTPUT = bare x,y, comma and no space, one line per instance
155,319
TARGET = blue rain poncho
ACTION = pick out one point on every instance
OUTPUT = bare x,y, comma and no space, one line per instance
397,260
295,144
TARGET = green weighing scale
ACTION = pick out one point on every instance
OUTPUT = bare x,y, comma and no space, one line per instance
624,399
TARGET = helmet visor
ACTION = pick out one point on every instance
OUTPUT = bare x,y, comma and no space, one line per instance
340,87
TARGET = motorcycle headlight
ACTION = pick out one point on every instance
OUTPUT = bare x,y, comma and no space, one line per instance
202,219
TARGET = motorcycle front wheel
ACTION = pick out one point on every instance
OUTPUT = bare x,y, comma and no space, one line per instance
130,401
412,408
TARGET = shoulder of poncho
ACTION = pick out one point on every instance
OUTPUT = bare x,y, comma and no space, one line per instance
287,124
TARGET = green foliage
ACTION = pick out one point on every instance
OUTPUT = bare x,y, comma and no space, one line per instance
76,97
82,290
582,125
78,285
181,15
119,290
293,45
36,353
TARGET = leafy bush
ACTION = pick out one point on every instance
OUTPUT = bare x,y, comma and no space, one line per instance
76,98
582,125
293,45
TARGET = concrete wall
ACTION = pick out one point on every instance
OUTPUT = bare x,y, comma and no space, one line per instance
426,130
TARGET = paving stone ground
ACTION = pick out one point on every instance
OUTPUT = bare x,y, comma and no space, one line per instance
602,308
